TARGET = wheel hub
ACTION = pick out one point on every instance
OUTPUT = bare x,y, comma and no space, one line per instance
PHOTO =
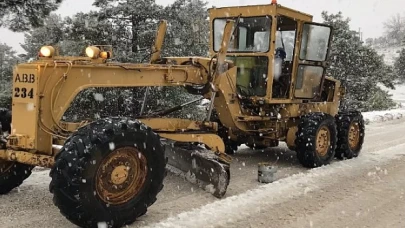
323,141
354,135
121,175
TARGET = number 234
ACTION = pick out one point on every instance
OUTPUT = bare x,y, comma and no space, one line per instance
23,92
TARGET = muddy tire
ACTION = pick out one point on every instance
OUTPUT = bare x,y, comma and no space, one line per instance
108,172
351,133
316,140
5,120
12,174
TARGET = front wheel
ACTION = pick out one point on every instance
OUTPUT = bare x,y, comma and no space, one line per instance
108,172
316,139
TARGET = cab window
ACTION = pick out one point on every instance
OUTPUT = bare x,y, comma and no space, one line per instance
284,56
251,78
315,42
252,34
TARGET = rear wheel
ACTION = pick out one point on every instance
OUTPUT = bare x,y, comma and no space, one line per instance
351,132
108,172
316,139
12,174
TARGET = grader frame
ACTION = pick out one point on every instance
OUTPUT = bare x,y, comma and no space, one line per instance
44,89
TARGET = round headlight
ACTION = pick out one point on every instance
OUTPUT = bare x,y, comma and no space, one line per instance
93,52
47,51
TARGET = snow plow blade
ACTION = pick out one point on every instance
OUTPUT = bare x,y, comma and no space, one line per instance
198,166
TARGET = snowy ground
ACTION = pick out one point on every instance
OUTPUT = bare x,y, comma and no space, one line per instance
398,95
363,192
382,116
390,53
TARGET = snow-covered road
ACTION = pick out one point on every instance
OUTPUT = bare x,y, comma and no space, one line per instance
363,192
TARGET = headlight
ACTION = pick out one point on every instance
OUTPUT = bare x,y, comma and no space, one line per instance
47,51
105,54
93,52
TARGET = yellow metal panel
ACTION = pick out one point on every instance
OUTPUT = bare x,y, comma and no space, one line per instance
27,158
213,141
255,10
297,15
175,124
244,11
62,83
160,36
25,105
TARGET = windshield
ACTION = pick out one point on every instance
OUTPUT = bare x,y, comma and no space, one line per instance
286,40
252,34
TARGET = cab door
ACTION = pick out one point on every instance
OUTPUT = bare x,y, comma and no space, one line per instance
312,60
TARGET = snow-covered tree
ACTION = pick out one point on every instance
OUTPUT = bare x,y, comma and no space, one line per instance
188,28
395,29
50,33
359,67
22,15
134,22
83,30
8,59
400,66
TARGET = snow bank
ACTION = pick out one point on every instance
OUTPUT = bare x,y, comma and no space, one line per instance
383,116
398,95
239,207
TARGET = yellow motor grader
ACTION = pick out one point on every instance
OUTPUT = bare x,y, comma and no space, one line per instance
265,80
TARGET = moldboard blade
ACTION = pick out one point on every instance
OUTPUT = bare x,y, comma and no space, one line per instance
198,166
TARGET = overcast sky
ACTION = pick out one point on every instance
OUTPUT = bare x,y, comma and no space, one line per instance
368,15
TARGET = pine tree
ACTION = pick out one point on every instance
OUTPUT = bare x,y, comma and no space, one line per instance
135,22
188,28
22,15
8,59
400,66
50,33
359,67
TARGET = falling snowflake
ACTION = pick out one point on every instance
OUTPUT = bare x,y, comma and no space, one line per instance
112,146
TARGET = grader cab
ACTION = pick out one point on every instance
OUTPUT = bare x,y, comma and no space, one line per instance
265,79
